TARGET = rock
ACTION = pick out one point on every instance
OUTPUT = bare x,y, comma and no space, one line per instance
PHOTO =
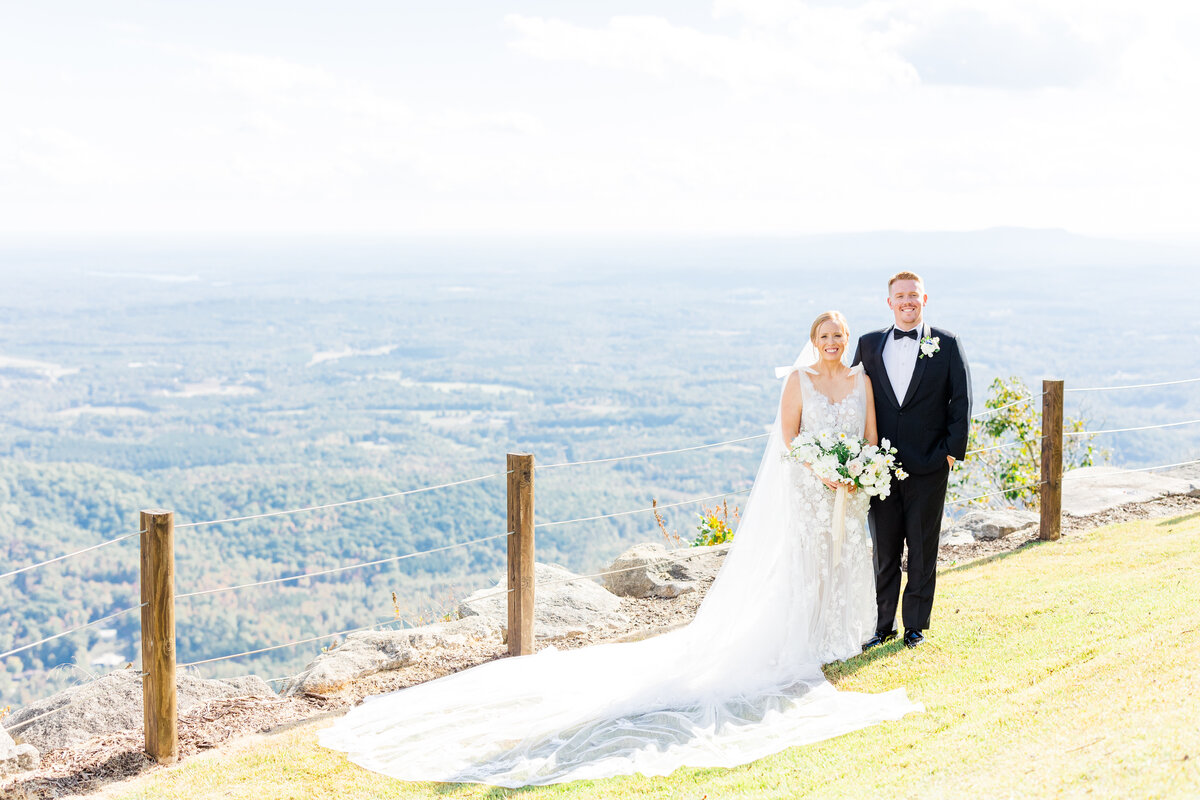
1091,490
114,703
650,570
16,757
1189,475
990,523
369,652
565,605
954,535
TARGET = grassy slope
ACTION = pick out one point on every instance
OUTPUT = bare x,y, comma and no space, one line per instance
1063,669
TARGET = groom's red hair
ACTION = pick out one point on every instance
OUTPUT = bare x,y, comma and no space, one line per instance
905,276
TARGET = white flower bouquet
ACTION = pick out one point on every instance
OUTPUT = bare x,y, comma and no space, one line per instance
853,462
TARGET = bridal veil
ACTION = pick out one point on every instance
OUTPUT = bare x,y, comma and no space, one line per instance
741,682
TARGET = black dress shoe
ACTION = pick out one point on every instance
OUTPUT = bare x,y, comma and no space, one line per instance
879,638
912,638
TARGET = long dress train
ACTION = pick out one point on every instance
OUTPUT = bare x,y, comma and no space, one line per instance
740,682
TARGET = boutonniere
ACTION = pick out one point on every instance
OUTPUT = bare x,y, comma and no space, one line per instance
929,346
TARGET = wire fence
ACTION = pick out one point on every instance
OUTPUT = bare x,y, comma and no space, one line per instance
651,454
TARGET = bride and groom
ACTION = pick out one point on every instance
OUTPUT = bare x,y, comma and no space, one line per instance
744,679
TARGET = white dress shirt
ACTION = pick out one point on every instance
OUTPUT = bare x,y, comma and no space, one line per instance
900,360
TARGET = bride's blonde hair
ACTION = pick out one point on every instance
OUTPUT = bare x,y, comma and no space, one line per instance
828,316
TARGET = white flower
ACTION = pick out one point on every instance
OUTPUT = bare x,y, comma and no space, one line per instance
900,474
929,346
855,467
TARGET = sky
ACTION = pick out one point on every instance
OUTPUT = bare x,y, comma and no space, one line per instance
733,117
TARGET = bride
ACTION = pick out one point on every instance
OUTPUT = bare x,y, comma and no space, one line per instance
741,682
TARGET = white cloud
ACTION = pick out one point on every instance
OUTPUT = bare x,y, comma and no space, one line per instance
773,116
65,158
820,52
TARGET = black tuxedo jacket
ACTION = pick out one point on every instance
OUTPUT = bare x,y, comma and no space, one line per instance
933,420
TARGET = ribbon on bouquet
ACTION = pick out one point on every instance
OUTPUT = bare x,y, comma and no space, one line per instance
839,523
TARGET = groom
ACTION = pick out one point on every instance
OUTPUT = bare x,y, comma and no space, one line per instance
922,390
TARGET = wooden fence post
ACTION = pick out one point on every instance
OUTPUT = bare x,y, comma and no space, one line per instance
159,703
1052,454
520,554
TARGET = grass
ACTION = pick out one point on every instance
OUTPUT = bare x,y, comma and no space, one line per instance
1063,669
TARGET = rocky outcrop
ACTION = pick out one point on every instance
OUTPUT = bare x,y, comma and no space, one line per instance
987,524
565,605
650,570
16,757
1091,490
114,703
370,652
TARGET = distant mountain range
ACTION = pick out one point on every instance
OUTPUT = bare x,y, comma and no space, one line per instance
1013,248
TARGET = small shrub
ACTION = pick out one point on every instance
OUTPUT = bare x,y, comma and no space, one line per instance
715,526
1014,471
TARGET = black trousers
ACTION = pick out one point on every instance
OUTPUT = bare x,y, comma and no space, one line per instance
910,516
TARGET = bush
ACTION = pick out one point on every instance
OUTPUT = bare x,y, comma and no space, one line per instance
1015,471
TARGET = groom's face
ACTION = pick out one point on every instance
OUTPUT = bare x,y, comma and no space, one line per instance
907,300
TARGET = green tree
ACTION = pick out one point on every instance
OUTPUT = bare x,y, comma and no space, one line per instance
1010,439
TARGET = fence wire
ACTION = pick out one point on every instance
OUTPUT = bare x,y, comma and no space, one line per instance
997,447
16,726
660,562
343,569
72,630
1132,386
649,455
1017,402
289,644
1138,428
1143,469
994,494
70,555
640,510
344,502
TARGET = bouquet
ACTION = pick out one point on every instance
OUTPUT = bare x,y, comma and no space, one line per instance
853,462
847,462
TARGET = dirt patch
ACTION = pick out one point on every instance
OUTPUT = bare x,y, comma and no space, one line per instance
85,768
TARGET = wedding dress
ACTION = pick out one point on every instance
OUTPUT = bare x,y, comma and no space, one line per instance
741,682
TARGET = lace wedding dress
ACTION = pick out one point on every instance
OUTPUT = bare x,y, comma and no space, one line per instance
742,681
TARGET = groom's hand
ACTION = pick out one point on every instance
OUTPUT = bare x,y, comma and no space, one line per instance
950,461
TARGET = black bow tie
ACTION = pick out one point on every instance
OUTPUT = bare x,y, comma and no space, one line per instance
899,334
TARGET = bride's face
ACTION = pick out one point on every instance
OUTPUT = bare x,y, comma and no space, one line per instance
830,341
